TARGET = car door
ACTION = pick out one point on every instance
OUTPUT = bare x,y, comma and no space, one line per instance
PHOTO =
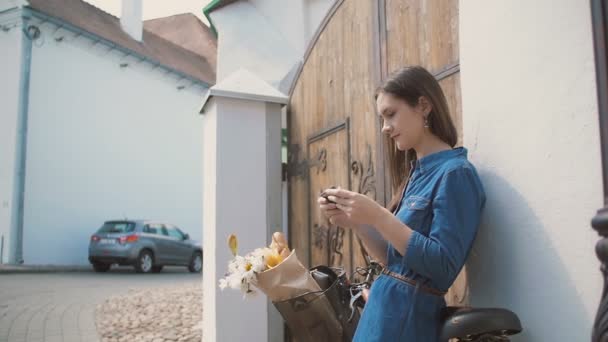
180,250
159,237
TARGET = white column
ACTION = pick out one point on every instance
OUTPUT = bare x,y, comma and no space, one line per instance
241,186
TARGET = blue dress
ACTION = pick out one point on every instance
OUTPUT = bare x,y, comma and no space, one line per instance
442,205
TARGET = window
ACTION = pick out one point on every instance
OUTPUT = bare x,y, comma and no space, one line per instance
117,227
155,229
174,233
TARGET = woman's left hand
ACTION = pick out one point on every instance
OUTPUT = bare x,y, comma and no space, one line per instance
359,208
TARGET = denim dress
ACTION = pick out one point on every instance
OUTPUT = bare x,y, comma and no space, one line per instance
442,205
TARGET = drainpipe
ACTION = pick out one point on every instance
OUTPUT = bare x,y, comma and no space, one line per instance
599,18
30,33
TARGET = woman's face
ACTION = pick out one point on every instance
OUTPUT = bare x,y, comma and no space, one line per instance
401,122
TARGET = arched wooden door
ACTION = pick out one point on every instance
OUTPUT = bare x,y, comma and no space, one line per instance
333,133
333,130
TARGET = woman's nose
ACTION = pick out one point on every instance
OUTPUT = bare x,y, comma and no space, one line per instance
386,128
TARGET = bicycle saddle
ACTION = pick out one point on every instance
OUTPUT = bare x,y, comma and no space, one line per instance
460,322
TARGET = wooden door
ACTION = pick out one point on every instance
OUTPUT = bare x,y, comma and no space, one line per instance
425,32
333,133
330,157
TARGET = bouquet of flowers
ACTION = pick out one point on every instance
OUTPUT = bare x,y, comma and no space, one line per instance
312,312
274,270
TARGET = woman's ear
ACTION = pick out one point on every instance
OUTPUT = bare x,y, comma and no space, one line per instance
424,106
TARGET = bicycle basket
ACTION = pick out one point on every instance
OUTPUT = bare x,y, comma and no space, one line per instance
321,315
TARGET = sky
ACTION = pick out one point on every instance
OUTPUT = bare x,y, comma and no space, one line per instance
157,8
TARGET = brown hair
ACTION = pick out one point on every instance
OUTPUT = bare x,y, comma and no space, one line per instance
409,84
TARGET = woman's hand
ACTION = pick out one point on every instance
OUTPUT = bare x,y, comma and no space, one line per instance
358,208
333,214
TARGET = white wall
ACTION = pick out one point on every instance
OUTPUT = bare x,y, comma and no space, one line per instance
298,22
531,124
6,5
266,37
10,69
105,142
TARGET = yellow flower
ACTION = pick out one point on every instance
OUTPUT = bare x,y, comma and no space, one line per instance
273,260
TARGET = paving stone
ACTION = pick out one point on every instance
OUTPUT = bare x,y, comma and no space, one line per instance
53,307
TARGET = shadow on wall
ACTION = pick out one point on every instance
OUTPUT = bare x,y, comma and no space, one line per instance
514,265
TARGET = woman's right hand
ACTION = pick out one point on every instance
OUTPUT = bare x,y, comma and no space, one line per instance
333,214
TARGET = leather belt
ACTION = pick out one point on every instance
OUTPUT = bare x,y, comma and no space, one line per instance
412,282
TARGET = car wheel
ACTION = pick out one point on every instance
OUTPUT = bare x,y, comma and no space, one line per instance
157,269
196,263
145,262
101,267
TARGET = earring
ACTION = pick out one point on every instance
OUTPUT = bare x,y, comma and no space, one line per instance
426,122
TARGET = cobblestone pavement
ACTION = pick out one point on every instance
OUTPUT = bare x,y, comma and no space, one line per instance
163,314
60,307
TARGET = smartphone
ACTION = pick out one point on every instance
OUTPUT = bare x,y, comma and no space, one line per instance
326,196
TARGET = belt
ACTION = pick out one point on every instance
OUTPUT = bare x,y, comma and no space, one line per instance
413,282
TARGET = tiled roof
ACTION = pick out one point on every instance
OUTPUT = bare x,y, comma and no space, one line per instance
187,31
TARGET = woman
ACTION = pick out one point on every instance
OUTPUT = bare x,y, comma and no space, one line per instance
425,234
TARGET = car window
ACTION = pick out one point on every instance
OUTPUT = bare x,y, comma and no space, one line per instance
117,227
155,229
174,233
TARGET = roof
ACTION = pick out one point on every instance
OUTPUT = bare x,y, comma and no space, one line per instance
187,31
104,25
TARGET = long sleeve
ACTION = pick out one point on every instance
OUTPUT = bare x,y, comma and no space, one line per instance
456,209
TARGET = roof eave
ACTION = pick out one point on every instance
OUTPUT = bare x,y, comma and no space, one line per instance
90,35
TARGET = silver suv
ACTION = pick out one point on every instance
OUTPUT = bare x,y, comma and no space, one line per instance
147,245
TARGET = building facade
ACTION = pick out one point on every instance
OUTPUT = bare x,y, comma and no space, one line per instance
97,123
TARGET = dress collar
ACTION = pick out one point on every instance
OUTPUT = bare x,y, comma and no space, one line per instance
429,162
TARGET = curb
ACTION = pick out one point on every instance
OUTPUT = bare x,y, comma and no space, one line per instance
8,268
